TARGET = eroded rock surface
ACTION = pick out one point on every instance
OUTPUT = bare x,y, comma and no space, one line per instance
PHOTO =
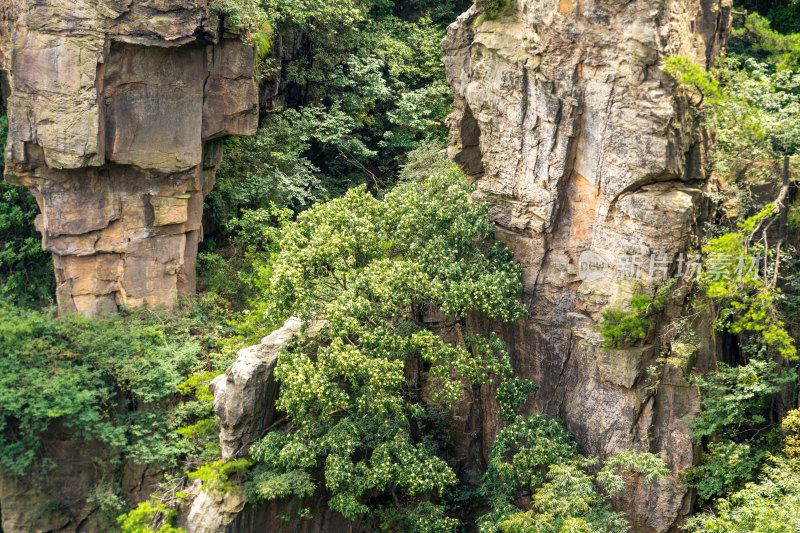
245,395
580,143
244,402
57,502
210,511
116,110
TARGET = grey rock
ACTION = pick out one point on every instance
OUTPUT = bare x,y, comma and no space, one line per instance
210,512
579,142
244,396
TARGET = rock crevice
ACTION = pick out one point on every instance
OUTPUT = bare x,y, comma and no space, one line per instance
581,145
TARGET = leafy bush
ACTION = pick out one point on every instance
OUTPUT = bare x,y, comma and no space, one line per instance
626,327
780,49
751,104
791,429
735,399
784,15
236,273
428,158
26,272
113,380
216,476
536,458
726,467
263,170
573,500
747,300
151,516
771,504
623,328
248,17
71,370
108,501
735,402
372,268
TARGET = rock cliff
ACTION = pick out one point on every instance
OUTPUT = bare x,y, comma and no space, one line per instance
594,166
116,109
595,171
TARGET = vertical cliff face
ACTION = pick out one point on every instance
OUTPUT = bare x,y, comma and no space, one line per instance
595,170
116,109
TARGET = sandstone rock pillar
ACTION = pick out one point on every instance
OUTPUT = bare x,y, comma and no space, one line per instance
116,113
581,144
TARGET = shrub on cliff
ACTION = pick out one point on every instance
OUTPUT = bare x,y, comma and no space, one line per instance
750,275
625,327
770,504
113,380
26,272
362,399
367,401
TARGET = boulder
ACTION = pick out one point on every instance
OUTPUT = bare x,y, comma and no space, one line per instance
245,395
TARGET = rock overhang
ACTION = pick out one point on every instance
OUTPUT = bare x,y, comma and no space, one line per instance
116,110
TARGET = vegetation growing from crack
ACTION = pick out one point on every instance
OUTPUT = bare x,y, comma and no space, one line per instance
750,278
365,398
626,327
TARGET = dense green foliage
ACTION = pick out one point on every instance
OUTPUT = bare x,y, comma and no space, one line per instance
574,500
26,272
374,269
750,278
150,516
754,109
746,294
109,380
736,402
769,505
392,279
535,457
365,87
367,398
784,15
625,327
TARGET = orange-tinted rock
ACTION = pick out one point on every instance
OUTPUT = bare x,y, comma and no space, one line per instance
583,147
114,111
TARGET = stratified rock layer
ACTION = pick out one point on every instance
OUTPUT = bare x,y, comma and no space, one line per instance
116,108
581,145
